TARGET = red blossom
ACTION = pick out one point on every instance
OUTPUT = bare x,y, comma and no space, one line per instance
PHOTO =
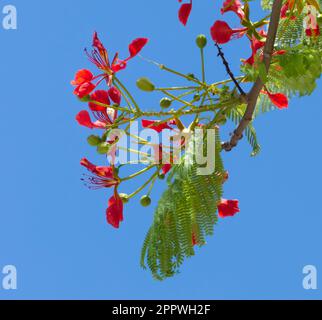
280,100
228,208
235,6
156,125
222,33
184,12
102,112
103,176
114,212
99,57
284,11
256,44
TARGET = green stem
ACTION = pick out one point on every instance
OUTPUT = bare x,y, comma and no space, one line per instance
137,173
144,185
137,108
163,67
203,65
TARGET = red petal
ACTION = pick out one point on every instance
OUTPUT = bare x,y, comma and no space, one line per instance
84,119
84,89
137,45
184,13
81,77
166,168
99,96
153,124
114,212
115,95
228,208
280,100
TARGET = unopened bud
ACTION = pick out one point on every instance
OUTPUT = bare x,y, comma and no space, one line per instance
145,84
165,103
94,140
145,201
201,41
103,148
125,197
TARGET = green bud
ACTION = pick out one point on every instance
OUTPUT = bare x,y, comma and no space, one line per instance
201,41
161,176
191,76
103,148
94,140
165,103
145,84
125,197
196,97
145,201
85,98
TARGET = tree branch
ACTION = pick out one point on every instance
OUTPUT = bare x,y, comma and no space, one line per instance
253,94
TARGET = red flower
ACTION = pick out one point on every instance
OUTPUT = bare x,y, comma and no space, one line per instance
280,100
312,28
103,176
114,212
102,113
156,125
255,46
235,6
222,33
313,32
228,208
100,58
284,11
184,12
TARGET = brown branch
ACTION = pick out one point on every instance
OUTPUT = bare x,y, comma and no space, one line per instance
225,62
253,94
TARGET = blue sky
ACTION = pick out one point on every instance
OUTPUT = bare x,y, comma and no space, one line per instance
53,229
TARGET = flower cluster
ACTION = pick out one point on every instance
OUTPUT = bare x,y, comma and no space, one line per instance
188,209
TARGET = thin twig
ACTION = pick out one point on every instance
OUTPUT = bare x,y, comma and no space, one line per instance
252,96
226,64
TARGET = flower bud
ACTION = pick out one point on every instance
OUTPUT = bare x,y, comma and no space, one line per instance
145,201
165,103
201,41
196,97
161,176
145,84
103,148
125,197
86,98
94,140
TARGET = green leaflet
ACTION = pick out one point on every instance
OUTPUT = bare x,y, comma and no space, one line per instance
188,207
